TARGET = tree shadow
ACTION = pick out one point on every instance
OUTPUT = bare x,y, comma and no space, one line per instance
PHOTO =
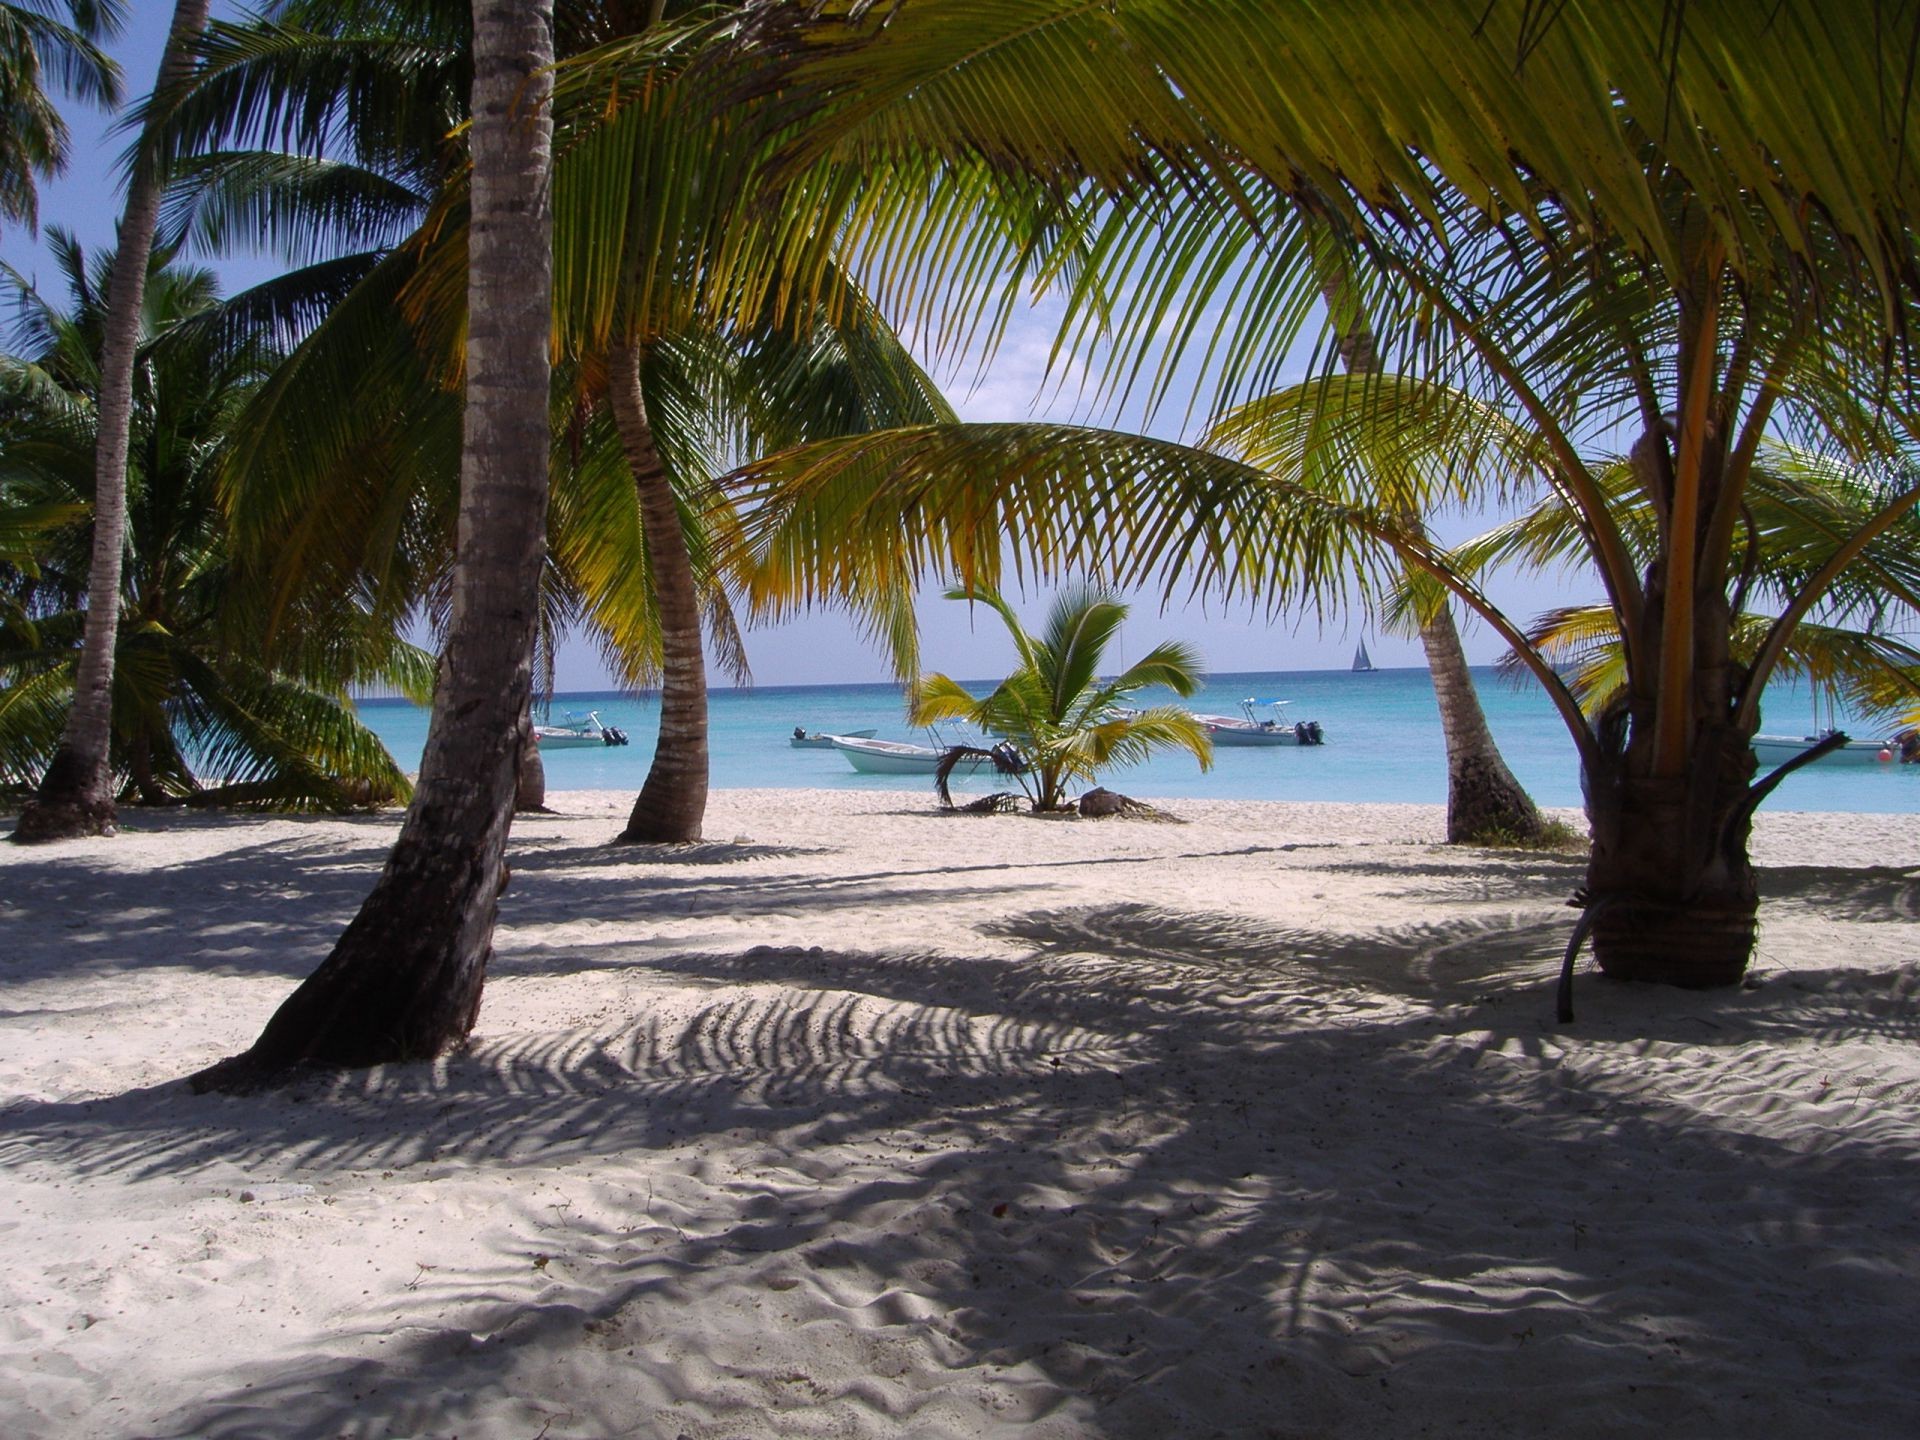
1877,894
201,914
1156,1177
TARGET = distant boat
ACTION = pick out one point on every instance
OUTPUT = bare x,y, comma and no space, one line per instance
1251,728
578,731
805,739
1775,750
893,757
1362,662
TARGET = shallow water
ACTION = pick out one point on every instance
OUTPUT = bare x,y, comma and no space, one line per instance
1382,729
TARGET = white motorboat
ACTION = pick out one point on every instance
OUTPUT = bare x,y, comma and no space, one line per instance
1251,727
805,739
1773,751
896,757
578,731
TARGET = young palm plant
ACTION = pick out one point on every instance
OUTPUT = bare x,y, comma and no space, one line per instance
1062,720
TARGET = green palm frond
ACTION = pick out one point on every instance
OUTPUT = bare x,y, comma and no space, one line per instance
1521,109
1053,712
303,208
39,47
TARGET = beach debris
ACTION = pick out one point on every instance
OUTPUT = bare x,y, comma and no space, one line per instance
269,1192
1101,802
1001,802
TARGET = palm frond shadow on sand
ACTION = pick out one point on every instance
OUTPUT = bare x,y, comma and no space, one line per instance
1084,1177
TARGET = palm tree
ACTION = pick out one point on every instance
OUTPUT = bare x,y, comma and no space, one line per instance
1644,230
273,724
34,43
661,381
405,980
76,794
1483,798
1062,720
1856,655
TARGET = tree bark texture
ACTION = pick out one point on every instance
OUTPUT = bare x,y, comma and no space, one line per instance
1483,798
673,802
405,980
530,787
75,796
1674,896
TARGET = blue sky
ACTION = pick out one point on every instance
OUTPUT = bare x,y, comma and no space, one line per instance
821,648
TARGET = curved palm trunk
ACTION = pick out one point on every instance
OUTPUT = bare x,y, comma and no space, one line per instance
1483,798
404,981
76,794
673,801
530,780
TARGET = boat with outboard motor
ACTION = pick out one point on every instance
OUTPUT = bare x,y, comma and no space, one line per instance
1773,751
1250,727
805,739
577,731
897,757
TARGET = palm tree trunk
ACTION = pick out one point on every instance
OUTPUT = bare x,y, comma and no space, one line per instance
1674,896
76,794
1483,798
530,783
673,802
405,980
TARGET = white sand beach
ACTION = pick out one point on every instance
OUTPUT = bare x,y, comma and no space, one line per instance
864,1120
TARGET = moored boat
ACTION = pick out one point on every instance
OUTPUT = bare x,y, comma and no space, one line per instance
897,757
805,739
1776,750
578,732
1250,727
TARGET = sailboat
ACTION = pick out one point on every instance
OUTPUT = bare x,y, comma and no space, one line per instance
1362,662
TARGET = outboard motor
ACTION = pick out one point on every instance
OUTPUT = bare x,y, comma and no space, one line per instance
613,735
1319,736
1302,734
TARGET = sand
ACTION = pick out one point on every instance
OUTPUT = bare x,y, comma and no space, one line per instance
861,1120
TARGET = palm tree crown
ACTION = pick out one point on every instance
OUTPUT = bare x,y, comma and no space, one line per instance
1055,710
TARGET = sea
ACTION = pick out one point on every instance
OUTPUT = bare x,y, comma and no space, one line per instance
1382,729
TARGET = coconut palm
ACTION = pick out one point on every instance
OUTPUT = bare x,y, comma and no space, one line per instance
1061,719
660,385
1483,798
405,980
1854,651
1643,232
273,727
41,40
75,795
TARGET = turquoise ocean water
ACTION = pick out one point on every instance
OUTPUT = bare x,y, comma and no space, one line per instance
1382,729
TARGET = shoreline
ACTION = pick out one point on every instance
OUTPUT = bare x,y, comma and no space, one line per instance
859,1118
1861,838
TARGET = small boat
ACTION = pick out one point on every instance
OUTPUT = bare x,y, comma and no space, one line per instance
1252,728
1363,662
578,731
896,757
805,739
1773,751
